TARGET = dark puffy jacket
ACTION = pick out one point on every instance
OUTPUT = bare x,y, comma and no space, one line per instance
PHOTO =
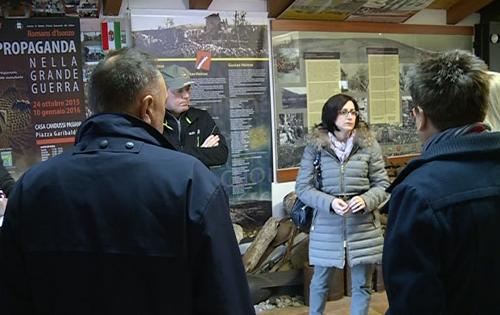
441,251
188,132
121,225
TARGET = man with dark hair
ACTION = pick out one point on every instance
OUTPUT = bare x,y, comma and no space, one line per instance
190,130
441,246
121,224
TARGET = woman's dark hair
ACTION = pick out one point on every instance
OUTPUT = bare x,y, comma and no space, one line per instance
332,108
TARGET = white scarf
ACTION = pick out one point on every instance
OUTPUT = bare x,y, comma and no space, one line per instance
342,149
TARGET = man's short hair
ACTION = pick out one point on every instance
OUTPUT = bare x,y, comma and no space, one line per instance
451,87
117,80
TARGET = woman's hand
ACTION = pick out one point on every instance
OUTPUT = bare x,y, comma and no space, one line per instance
339,206
356,204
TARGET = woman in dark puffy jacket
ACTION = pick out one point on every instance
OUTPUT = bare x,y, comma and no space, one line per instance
346,224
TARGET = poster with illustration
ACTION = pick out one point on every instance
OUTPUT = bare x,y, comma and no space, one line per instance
228,57
41,89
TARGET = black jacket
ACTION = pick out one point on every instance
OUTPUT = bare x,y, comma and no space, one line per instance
441,252
121,225
195,126
6,181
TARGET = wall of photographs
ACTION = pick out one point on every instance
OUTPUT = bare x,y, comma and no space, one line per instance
312,63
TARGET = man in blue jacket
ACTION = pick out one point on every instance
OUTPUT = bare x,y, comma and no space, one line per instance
441,252
122,224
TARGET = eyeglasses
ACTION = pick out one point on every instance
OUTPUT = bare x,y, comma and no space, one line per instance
346,113
181,91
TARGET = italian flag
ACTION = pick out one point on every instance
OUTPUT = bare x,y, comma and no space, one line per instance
111,35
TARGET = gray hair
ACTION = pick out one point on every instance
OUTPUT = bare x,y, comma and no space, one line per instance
117,80
451,87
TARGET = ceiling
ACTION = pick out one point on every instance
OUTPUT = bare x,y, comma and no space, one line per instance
373,10
456,10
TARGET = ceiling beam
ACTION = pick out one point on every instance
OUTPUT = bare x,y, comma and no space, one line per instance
111,7
442,4
199,4
463,9
276,7
490,12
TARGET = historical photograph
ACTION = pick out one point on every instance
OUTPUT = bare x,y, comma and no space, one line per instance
287,64
221,36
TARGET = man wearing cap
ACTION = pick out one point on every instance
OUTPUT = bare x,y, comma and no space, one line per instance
190,130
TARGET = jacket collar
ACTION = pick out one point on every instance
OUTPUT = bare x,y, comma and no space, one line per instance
471,146
363,138
120,125
188,117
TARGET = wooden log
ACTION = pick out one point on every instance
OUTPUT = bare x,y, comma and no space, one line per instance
238,231
261,285
288,202
259,245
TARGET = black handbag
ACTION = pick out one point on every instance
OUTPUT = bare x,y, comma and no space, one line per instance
301,214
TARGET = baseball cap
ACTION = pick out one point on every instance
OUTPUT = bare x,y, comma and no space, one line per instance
176,77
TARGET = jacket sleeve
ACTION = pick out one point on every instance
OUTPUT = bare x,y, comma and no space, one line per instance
6,181
210,156
411,260
219,280
305,183
379,180
15,297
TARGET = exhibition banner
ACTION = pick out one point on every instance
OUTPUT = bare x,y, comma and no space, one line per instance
41,89
228,57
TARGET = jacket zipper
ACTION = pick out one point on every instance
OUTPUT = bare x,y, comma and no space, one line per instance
342,190
180,130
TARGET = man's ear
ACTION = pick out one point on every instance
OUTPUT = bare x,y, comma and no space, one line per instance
421,119
145,108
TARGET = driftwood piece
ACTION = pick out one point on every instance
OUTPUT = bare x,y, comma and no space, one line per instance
288,202
298,254
250,214
261,285
238,232
285,231
271,257
289,246
259,245
274,253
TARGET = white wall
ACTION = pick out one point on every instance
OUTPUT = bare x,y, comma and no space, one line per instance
438,17
279,190
216,5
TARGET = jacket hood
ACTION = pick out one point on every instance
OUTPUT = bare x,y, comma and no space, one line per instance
476,146
119,125
363,138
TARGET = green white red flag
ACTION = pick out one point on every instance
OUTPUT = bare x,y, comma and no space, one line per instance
111,35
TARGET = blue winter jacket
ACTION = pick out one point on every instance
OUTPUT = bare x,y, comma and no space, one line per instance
120,225
442,245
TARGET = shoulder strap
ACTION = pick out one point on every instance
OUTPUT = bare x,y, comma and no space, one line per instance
317,169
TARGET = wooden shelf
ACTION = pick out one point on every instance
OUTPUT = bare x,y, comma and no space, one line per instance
364,27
